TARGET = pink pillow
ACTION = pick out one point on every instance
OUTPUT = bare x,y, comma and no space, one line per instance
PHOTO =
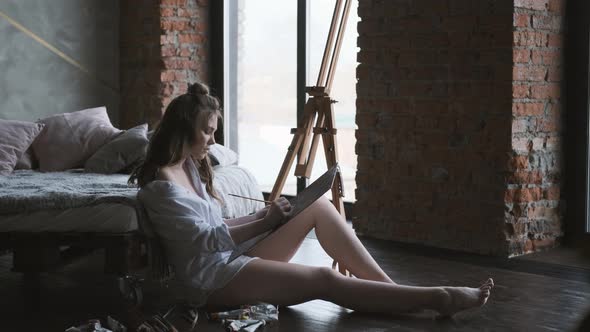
15,139
27,160
71,138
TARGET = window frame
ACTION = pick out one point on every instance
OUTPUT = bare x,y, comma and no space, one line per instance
223,33
577,135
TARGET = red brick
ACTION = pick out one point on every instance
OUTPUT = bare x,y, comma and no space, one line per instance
190,38
528,109
531,4
518,162
166,90
529,38
520,91
554,112
187,12
555,40
547,91
547,57
542,212
552,193
521,56
520,126
171,63
200,26
556,6
552,57
173,2
167,39
186,52
546,22
553,143
168,25
525,177
522,144
521,20
555,74
539,143
167,76
167,12
548,125
522,195
529,73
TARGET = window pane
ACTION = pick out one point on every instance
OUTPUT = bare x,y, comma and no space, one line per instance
266,85
343,87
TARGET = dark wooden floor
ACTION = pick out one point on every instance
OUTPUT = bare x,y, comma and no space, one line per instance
529,295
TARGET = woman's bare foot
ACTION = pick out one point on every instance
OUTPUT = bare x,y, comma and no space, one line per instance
462,298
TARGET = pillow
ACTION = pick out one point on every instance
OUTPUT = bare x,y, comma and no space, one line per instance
119,153
27,160
15,139
222,156
70,138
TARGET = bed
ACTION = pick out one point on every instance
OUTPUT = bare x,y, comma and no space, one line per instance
49,219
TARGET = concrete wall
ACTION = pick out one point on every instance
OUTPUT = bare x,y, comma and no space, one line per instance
34,81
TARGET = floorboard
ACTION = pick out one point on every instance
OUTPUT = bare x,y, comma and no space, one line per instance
524,299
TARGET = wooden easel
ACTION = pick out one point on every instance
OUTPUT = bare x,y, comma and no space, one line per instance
318,109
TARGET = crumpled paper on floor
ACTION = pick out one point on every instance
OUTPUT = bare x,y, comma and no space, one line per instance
93,325
248,318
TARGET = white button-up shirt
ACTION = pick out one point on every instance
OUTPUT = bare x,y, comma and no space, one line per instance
195,237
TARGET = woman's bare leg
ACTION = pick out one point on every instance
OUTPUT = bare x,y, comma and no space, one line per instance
287,284
334,235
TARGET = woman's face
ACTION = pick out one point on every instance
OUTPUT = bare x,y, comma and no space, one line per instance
204,135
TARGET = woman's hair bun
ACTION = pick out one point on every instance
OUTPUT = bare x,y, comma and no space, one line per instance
198,89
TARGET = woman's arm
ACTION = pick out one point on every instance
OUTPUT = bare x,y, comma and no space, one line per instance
244,228
247,219
246,231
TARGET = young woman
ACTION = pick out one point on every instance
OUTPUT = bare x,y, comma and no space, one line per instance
176,184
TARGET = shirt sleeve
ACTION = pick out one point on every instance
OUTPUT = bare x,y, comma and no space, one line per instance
176,217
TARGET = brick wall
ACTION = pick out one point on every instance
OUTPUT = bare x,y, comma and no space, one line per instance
163,47
534,212
435,138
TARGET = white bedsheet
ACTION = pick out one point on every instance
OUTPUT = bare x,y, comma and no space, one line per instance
74,201
101,218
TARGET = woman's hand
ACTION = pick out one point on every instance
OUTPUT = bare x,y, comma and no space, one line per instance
260,214
278,212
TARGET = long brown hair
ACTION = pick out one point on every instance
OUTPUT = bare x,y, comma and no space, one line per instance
175,132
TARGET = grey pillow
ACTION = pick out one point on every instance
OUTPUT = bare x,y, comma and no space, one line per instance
119,153
222,156
15,139
27,160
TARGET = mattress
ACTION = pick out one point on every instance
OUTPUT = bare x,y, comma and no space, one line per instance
74,201
101,218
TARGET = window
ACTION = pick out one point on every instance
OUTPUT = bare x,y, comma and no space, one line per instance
260,85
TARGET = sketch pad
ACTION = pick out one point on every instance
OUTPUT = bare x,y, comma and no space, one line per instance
299,203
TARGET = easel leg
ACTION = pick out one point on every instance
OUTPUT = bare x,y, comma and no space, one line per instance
289,158
331,151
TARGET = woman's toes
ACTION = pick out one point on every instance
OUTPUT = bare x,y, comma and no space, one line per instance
483,287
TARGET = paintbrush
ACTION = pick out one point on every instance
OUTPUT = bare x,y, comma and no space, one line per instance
250,198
